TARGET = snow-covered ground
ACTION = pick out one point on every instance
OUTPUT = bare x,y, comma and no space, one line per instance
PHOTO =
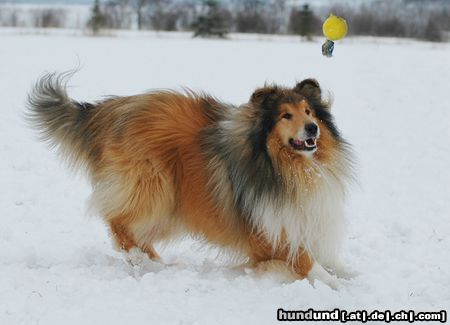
57,265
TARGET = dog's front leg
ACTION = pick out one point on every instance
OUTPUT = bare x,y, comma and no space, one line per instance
317,272
302,266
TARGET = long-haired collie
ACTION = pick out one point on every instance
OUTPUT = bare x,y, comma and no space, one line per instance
266,179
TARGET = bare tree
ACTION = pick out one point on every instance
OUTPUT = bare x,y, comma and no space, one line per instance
188,11
139,5
278,16
48,18
250,17
118,14
163,14
9,17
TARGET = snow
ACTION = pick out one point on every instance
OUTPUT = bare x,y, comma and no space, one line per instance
57,265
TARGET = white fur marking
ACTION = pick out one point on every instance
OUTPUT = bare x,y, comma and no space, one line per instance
317,272
315,223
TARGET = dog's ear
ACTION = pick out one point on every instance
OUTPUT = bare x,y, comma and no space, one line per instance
264,95
310,89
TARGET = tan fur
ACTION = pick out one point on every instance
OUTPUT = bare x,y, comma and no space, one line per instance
150,180
152,172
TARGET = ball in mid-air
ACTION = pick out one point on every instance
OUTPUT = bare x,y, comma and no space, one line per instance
334,28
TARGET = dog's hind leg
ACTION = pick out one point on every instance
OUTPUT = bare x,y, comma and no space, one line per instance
137,200
151,252
123,239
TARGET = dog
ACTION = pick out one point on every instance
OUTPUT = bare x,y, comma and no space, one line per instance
266,179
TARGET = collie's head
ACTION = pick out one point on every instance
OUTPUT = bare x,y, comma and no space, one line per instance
293,123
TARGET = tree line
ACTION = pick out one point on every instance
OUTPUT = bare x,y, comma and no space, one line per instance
428,20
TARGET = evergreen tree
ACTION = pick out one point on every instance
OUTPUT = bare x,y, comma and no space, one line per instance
212,22
97,19
303,22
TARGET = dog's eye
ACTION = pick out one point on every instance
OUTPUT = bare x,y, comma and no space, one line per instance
287,116
308,112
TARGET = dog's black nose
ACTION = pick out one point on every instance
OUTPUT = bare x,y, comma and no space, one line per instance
311,129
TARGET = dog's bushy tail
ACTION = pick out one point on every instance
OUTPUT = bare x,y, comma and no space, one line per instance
61,121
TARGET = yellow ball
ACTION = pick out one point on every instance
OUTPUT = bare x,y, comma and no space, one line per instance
334,28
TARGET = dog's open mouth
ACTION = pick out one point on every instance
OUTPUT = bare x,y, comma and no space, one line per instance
303,145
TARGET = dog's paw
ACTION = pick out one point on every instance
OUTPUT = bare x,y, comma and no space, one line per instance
135,256
276,270
344,272
317,272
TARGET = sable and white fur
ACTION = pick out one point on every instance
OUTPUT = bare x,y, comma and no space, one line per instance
165,164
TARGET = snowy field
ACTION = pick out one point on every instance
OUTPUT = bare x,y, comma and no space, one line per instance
57,265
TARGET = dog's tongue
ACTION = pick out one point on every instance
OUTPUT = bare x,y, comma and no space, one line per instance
298,142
